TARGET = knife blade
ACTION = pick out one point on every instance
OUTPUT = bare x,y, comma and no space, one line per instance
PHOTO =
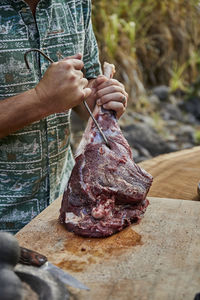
64,276
33,258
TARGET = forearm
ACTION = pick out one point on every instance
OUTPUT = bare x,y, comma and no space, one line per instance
19,111
61,88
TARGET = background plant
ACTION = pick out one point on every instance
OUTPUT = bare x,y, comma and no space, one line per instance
151,42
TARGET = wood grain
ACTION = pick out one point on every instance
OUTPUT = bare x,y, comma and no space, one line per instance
156,259
176,175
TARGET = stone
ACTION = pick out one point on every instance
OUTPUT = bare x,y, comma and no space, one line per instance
192,106
186,134
171,112
143,135
162,92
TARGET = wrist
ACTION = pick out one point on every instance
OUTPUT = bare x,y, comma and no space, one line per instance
40,103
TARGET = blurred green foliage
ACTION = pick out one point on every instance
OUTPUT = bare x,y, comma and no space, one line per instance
151,42
197,137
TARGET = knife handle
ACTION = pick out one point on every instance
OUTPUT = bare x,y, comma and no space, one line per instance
31,258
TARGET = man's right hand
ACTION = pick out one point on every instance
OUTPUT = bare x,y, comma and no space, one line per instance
63,86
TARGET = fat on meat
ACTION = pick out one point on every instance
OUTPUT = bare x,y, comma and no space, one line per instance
107,190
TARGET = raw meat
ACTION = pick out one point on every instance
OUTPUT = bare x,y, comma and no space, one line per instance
107,190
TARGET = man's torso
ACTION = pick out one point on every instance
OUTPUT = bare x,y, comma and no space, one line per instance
36,162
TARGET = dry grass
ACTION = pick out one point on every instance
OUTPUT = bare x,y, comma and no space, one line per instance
150,41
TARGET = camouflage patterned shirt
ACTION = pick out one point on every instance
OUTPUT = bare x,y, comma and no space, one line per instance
36,161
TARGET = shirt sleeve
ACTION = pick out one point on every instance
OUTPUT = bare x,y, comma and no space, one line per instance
91,53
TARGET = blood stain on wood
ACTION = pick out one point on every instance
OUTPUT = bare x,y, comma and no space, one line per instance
88,250
73,265
101,246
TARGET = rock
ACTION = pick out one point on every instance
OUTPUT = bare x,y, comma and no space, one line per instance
192,106
162,92
186,134
172,124
132,116
190,119
173,146
186,146
142,136
154,101
171,112
143,154
179,94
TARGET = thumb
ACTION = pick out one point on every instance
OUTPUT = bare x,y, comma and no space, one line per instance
76,56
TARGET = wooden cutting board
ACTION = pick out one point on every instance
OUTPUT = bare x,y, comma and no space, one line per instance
156,259
176,174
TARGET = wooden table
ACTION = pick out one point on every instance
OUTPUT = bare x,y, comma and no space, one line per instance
157,259
176,174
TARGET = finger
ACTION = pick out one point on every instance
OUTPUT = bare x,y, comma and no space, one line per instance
78,74
87,92
73,63
111,90
100,79
102,82
83,82
116,106
116,97
76,56
82,85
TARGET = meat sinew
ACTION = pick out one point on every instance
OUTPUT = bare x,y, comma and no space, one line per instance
107,190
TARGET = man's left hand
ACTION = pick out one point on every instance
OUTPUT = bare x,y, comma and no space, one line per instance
111,94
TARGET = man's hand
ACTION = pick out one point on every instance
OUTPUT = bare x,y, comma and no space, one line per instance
62,86
111,94
107,92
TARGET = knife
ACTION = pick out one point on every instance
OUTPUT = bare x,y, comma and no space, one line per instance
33,258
